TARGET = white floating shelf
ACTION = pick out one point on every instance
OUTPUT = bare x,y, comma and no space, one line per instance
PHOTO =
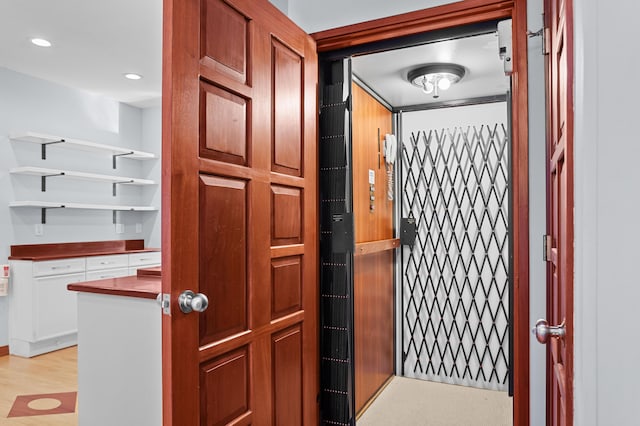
54,205
46,140
44,205
44,172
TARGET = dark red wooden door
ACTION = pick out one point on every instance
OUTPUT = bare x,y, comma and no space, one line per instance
559,81
239,215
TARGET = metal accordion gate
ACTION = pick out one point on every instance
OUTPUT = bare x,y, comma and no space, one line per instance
456,276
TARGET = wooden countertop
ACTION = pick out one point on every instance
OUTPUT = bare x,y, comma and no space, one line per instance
141,286
39,252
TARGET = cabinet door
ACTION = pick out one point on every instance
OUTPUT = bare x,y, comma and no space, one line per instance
55,307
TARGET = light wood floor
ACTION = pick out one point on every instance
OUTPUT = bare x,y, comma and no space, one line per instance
49,373
411,402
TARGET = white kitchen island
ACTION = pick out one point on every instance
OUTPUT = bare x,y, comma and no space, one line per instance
119,351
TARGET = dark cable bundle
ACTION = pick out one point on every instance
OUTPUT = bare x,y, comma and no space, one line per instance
336,280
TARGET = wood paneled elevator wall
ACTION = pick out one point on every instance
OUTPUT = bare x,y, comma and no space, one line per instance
374,252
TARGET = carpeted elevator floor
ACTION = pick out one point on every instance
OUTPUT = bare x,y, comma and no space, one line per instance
411,402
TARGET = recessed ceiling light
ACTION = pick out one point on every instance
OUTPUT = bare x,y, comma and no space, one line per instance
133,76
41,42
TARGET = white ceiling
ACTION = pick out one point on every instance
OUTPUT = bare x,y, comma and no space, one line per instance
386,72
94,44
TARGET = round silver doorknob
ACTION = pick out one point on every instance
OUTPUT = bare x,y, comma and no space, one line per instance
543,331
190,301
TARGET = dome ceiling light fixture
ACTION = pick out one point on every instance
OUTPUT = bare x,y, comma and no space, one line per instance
432,78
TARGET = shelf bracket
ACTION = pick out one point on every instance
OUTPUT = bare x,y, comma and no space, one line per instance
43,180
115,216
43,148
43,213
115,185
115,156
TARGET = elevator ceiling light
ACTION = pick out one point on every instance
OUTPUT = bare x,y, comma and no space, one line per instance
432,78
133,76
41,42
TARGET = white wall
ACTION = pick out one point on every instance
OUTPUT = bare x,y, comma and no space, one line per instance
445,118
283,5
31,104
607,234
152,142
537,213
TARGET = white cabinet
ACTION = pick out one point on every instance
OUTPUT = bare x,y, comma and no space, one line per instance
42,312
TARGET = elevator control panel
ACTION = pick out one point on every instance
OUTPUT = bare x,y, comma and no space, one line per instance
372,190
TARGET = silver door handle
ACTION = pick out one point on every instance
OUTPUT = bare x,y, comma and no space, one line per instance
543,331
190,301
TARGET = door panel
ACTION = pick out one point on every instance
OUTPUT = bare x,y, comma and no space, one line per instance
229,376
287,370
226,54
287,220
286,286
239,215
225,126
288,114
223,260
559,80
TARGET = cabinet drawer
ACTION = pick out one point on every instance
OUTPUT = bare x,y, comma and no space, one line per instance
107,273
147,258
58,267
105,262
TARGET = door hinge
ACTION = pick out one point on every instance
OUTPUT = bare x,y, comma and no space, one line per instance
545,36
546,254
164,300
546,39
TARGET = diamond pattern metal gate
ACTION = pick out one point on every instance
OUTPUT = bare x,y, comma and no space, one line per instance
455,299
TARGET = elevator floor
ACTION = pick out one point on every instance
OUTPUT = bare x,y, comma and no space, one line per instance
411,402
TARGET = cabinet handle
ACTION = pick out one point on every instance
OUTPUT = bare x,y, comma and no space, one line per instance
61,267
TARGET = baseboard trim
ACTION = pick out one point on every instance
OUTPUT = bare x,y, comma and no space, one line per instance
4,350
374,397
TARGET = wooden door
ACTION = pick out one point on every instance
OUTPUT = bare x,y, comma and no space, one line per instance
559,81
239,217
